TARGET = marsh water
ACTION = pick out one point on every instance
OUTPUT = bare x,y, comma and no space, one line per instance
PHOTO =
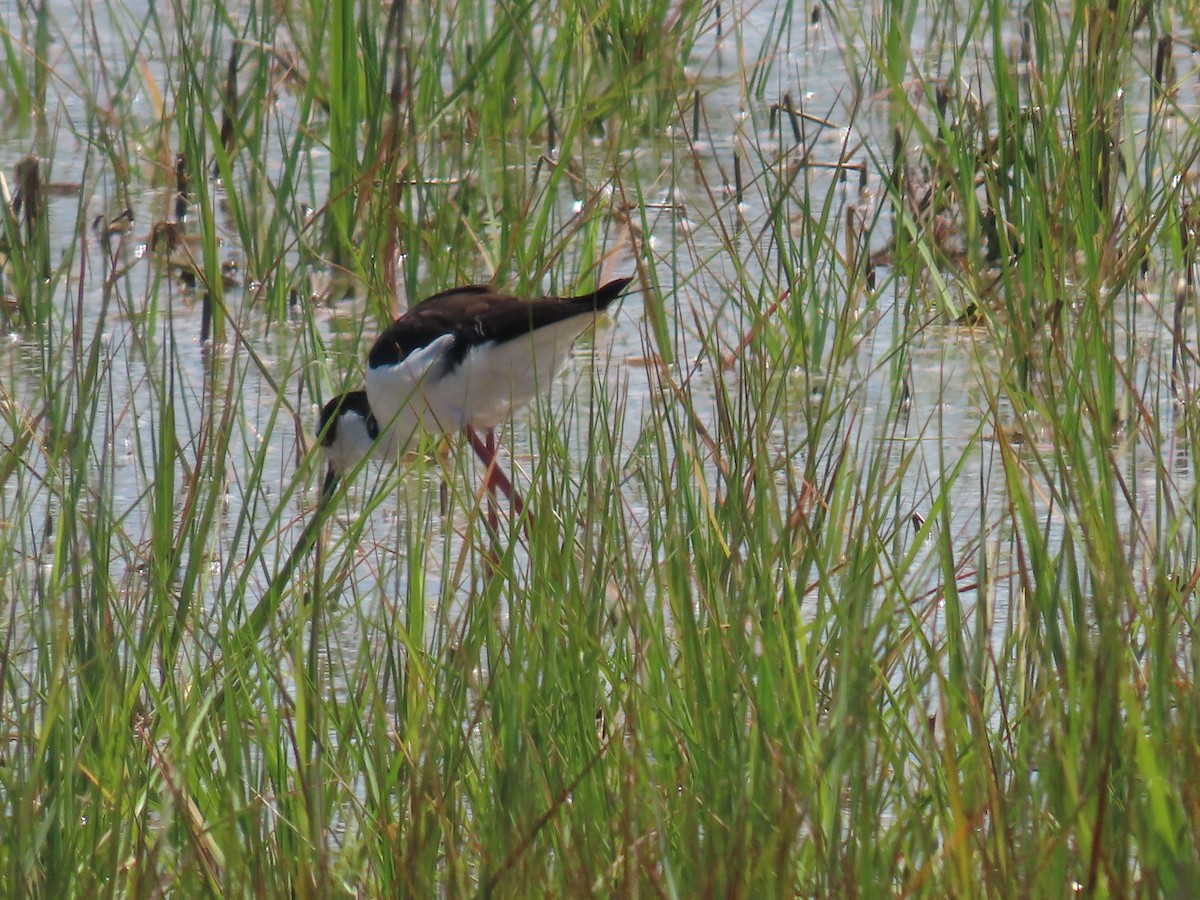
150,328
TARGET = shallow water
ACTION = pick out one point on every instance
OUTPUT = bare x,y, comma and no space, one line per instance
151,331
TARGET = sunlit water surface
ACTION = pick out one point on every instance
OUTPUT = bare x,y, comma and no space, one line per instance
151,312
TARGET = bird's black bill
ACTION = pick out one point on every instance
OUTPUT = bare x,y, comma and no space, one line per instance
329,485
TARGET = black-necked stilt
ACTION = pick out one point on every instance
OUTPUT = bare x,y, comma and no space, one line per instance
464,359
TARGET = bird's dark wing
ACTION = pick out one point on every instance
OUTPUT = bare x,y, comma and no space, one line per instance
475,315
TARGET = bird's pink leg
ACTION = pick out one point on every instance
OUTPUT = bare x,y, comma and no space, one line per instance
489,442
495,477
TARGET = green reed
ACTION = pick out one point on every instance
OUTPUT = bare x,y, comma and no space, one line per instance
831,586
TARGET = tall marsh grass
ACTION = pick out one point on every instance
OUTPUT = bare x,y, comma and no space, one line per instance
863,548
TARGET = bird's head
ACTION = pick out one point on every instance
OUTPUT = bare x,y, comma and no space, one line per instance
347,431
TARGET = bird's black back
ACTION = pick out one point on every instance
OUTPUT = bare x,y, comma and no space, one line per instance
475,314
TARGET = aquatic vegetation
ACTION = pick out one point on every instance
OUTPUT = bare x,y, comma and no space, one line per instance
862,543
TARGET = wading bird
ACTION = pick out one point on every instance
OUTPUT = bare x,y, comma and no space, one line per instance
464,359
